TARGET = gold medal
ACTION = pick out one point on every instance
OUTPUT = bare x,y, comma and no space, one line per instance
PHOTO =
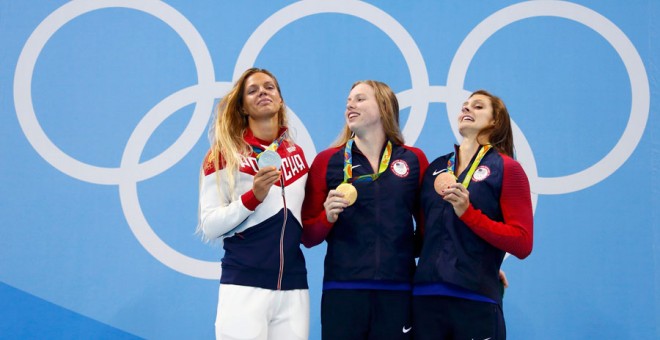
349,192
443,181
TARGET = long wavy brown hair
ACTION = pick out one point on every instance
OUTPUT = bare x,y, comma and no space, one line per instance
500,134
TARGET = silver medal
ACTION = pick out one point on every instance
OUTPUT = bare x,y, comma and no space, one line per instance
269,158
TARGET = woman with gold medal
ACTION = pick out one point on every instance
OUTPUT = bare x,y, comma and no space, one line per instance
360,198
476,204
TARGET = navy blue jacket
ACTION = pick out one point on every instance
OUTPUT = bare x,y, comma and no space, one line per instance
373,239
467,252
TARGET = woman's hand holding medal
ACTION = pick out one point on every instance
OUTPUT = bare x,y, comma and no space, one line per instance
454,193
338,200
269,163
457,194
345,194
263,180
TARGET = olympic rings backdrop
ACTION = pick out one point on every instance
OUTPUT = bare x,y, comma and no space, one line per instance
105,106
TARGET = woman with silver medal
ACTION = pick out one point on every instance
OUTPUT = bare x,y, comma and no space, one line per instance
263,291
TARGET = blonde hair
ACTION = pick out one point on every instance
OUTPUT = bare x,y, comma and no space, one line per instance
388,105
232,123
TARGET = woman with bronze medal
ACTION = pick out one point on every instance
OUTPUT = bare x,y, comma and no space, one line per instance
361,197
251,191
476,204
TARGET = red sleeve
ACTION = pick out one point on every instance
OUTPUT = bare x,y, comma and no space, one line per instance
315,223
249,200
417,212
515,234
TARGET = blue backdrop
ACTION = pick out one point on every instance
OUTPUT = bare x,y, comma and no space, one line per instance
104,108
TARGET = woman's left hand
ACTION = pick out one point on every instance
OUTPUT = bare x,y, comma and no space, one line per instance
458,196
503,279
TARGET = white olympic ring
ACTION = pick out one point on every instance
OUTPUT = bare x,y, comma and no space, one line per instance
370,13
641,97
130,171
85,172
418,97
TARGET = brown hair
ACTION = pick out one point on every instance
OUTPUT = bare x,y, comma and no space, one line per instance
388,105
500,134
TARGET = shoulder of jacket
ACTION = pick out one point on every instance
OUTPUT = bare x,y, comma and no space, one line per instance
212,162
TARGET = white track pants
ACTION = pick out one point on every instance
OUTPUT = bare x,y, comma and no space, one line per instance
249,313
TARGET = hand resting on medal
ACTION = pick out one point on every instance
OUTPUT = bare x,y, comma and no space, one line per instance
458,196
334,204
263,180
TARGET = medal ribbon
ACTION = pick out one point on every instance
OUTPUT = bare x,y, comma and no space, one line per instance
273,146
451,163
348,164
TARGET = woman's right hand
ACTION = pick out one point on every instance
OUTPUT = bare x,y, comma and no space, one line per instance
263,180
334,204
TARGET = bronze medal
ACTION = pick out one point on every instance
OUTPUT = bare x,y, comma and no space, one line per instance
443,181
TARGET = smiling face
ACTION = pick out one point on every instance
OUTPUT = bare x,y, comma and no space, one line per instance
261,98
362,112
476,116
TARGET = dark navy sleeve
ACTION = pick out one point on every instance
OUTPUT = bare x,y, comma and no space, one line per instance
417,212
